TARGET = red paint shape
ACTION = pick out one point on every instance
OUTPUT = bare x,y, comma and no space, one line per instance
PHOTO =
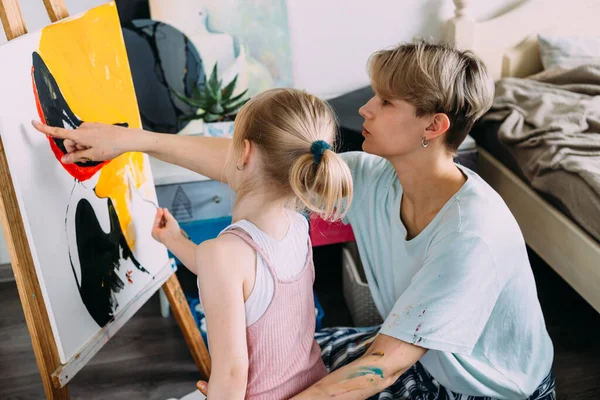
78,172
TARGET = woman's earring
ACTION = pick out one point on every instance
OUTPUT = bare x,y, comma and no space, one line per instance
424,142
238,167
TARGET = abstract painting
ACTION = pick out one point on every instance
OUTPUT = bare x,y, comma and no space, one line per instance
162,61
246,37
88,224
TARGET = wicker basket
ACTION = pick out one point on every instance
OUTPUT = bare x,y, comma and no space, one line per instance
356,290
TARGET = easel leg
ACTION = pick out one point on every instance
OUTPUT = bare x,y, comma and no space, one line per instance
191,333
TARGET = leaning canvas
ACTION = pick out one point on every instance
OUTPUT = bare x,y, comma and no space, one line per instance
88,225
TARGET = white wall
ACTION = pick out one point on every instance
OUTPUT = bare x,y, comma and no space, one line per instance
332,39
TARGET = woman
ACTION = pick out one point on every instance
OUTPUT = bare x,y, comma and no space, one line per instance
444,257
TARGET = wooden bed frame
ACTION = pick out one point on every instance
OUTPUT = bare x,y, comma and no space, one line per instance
508,46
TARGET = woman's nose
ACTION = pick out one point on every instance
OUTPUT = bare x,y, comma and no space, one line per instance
365,111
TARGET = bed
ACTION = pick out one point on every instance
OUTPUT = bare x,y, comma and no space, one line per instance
565,239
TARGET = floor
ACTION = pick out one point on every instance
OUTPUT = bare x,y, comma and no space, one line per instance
148,359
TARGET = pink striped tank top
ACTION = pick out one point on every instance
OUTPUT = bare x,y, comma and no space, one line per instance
284,358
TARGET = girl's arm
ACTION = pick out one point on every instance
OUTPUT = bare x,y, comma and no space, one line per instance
100,142
167,231
223,265
204,155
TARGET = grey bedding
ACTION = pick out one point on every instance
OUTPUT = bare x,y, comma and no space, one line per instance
552,129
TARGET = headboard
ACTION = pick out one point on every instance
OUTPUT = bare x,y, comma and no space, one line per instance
508,43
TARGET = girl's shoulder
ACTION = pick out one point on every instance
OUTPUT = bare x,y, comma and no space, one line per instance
227,252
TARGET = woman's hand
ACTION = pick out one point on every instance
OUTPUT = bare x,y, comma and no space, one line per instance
92,141
166,229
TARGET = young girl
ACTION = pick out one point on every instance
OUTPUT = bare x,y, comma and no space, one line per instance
255,279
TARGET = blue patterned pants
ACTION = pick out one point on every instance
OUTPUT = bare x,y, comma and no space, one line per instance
340,346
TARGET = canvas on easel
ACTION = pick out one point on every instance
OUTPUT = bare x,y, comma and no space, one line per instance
82,230
88,224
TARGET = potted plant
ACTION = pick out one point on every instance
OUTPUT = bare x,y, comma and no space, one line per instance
216,105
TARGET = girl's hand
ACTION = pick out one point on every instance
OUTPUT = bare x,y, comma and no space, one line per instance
91,141
165,229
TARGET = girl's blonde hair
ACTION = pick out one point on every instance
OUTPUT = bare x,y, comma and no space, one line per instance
284,124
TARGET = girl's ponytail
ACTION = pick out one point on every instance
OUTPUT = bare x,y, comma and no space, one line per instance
322,181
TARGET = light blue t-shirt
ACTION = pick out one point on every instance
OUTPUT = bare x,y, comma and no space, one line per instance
463,288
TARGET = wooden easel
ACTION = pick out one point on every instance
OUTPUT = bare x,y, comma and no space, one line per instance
34,308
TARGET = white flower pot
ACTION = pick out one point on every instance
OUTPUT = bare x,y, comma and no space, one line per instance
193,128
219,129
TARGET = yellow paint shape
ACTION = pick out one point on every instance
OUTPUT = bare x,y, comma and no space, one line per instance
87,57
114,183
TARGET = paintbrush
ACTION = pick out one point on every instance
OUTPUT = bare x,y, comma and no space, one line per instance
163,221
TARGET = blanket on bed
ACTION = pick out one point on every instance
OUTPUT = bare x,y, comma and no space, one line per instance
552,128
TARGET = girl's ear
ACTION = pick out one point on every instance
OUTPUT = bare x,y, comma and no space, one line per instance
245,156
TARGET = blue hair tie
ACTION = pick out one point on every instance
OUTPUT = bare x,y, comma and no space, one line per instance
317,148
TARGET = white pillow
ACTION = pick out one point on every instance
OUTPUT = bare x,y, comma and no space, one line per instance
569,52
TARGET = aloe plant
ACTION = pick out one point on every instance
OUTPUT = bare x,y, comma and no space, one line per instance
214,102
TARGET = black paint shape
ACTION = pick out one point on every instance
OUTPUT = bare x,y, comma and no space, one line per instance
54,106
162,59
100,255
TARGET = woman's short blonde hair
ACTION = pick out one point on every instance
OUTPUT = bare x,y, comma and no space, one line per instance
435,78
285,124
